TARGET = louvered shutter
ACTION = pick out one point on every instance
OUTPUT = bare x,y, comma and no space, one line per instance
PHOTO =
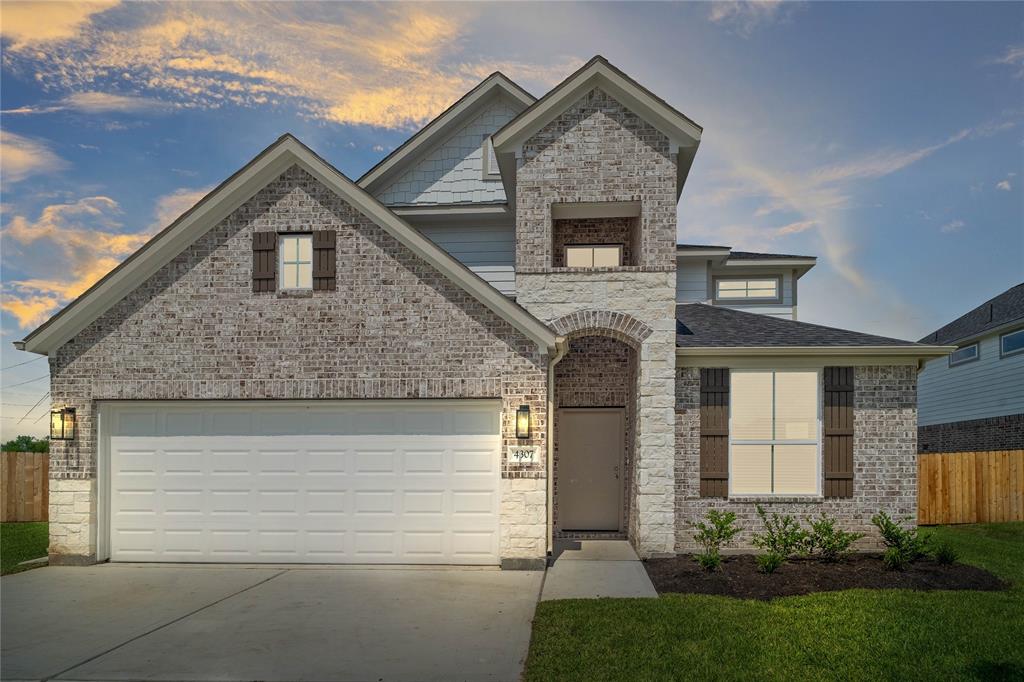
324,260
838,433
264,261
714,433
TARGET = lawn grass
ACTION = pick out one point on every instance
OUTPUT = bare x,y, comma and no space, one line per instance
851,635
21,542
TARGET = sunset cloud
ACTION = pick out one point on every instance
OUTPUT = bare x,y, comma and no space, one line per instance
22,156
745,17
27,24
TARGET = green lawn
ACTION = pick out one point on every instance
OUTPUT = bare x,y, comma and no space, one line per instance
21,542
852,635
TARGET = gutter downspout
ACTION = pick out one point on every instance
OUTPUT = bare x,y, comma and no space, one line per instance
561,348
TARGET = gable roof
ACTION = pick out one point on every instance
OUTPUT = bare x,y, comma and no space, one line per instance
702,326
439,128
751,255
998,311
228,196
683,133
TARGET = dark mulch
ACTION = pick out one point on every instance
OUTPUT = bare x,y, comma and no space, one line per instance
739,577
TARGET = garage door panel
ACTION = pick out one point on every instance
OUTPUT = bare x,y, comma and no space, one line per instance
242,482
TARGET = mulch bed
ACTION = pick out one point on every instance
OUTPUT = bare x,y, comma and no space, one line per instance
739,577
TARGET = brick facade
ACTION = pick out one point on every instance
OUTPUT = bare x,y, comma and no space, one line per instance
395,328
973,435
592,231
884,461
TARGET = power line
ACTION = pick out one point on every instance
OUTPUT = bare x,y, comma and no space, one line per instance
41,357
26,382
40,417
47,395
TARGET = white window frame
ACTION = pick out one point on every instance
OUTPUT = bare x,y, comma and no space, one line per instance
776,299
1002,353
281,262
487,150
591,247
818,459
977,354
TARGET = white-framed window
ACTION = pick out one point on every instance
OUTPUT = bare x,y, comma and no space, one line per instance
774,432
296,261
1011,343
490,160
962,355
593,255
759,289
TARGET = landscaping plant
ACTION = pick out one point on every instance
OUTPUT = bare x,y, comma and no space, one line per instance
827,541
768,562
903,545
946,554
718,529
782,534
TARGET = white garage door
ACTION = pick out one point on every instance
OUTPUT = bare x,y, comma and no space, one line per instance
356,482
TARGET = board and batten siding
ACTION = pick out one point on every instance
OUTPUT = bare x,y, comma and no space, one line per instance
990,386
452,172
693,286
487,250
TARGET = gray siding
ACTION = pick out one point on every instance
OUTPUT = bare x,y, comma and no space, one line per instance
987,387
487,250
692,286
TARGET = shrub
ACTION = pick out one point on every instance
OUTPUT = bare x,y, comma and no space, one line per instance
904,545
828,541
782,534
718,529
767,563
945,554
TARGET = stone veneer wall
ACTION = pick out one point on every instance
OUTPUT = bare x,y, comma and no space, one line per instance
395,328
598,150
595,231
973,435
884,460
598,371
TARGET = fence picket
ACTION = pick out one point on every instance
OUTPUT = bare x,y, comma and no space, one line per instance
24,486
970,487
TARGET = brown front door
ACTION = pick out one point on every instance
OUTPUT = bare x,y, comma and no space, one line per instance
591,442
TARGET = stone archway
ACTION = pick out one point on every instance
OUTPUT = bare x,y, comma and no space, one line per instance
621,326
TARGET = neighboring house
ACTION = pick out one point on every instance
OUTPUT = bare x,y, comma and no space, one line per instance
490,340
973,400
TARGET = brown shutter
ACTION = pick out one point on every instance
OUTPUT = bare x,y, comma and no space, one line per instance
838,432
264,261
324,260
714,432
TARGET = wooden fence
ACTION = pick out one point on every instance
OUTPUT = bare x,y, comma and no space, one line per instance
970,487
24,486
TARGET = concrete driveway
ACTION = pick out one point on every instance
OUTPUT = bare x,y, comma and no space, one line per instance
162,622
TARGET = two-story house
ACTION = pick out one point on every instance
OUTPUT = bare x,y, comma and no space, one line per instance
490,340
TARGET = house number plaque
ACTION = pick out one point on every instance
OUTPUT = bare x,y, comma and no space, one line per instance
522,454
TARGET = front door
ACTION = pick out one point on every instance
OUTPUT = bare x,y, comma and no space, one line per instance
591,442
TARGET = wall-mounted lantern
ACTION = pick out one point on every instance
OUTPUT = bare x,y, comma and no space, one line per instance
523,421
62,423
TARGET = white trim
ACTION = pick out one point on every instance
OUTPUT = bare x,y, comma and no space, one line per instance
448,211
769,262
910,351
217,205
1002,336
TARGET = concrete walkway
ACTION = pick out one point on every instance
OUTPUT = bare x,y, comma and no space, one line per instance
589,569
164,622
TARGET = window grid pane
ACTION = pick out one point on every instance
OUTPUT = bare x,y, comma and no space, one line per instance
1012,342
296,261
747,288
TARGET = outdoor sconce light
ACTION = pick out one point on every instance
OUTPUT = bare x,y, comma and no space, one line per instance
62,424
523,421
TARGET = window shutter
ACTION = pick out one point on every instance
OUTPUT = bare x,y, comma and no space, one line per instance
324,260
714,433
264,261
838,433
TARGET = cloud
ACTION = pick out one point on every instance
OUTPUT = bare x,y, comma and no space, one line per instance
388,65
1013,57
27,24
952,226
94,103
21,157
795,228
1004,185
745,17
83,242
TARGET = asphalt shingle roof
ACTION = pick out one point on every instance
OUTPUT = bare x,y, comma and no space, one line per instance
751,255
995,312
702,325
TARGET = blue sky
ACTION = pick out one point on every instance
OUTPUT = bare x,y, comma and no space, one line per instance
885,138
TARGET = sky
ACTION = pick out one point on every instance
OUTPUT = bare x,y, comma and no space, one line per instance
885,138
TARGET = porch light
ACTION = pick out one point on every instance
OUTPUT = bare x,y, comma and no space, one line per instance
62,423
523,421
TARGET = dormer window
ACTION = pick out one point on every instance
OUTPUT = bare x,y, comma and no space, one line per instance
748,289
593,256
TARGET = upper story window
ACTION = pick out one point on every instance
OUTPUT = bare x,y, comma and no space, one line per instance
962,355
593,256
296,267
752,289
1011,343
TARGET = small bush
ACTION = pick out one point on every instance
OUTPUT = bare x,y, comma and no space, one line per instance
718,529
782,534
767,563
945,554
904,545
827,541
